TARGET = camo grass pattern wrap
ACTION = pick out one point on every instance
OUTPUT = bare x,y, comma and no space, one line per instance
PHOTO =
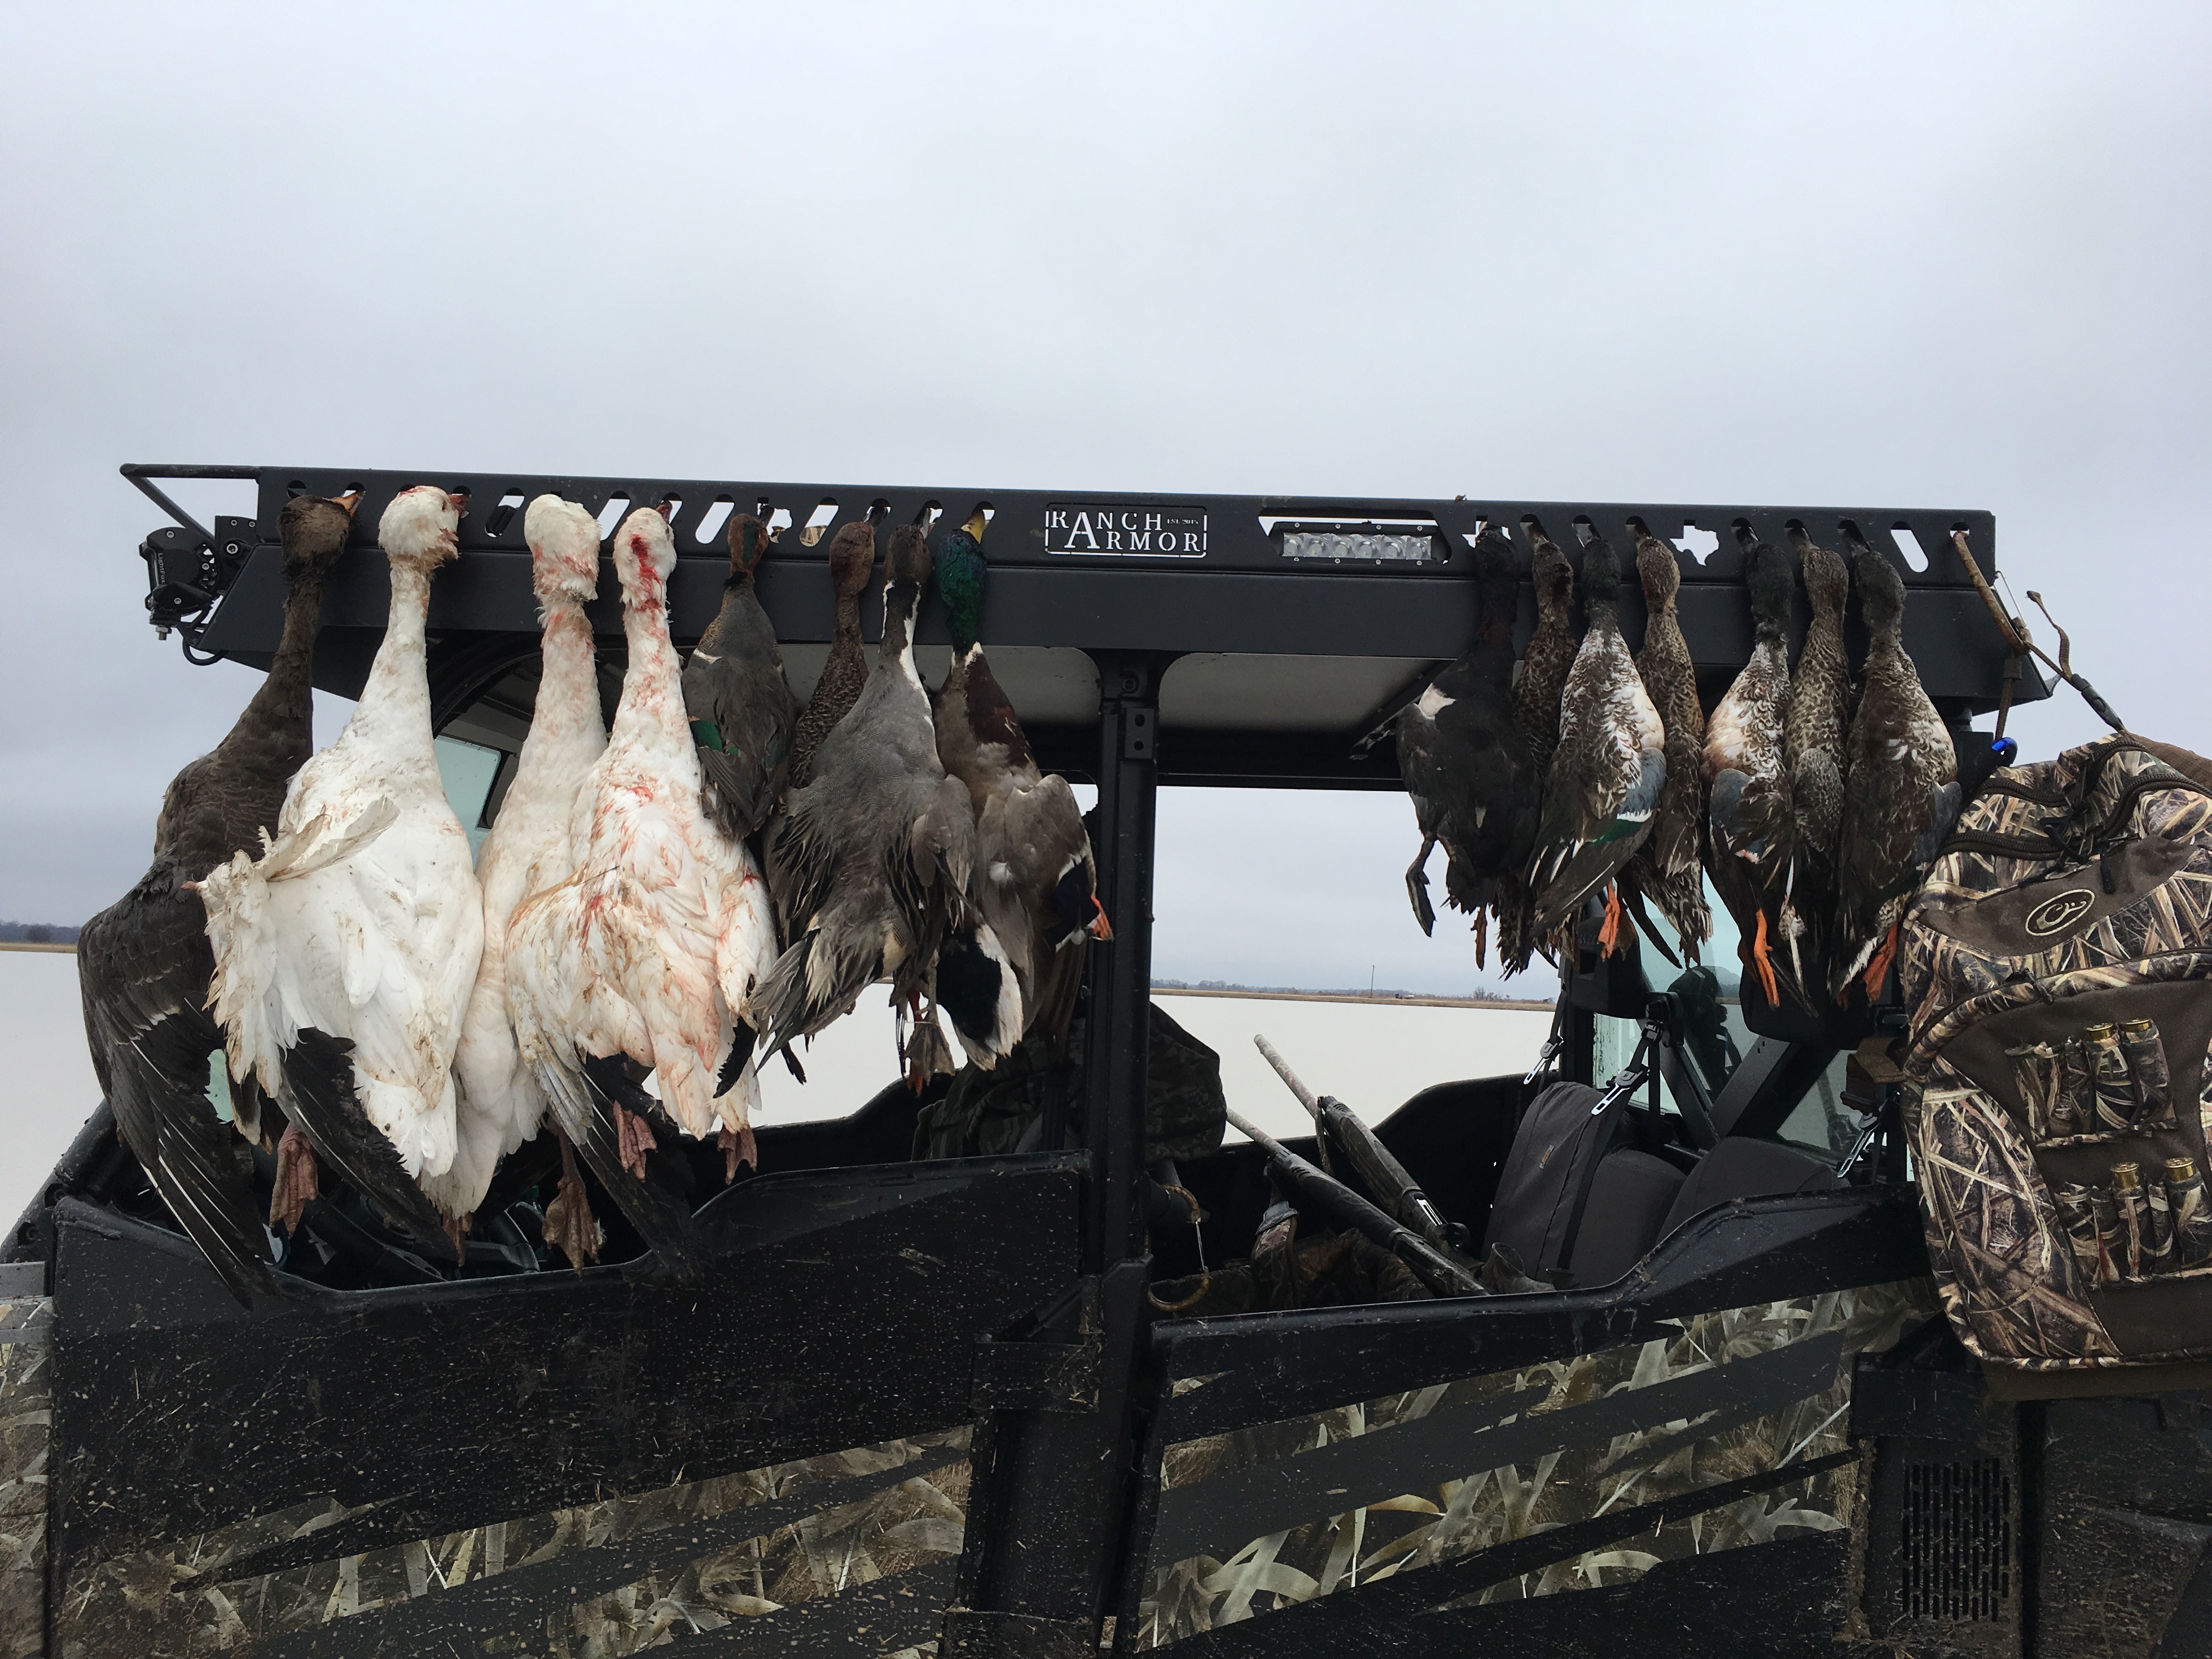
1749,1403
2074,894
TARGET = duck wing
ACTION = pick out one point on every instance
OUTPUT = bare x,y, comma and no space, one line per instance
1036,881
143,967
1894,823
743,713
1605,781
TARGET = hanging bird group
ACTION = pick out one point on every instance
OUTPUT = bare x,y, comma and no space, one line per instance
1813,812
657,904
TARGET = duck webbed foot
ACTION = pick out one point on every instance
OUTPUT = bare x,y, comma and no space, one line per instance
1417,887
1878,969
298,1183
569,1226
1763,959
1608,933
1482,936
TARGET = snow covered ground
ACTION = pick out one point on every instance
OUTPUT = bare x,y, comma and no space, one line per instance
1373,1055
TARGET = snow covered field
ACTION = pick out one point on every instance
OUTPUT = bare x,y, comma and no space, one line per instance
1373,1055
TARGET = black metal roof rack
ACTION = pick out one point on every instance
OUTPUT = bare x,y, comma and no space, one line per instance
1279,628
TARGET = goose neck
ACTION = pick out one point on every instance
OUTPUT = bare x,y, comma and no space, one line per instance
395,704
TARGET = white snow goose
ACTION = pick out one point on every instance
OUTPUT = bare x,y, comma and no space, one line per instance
143,963
501,1104
649,951
345,952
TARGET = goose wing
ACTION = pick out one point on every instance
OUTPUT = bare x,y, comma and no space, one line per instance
143,966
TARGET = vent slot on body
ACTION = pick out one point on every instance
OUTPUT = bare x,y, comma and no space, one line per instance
1956,1544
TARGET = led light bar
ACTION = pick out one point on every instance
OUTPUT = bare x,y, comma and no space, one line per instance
1399,541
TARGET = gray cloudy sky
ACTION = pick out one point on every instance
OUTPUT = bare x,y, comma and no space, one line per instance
1948,256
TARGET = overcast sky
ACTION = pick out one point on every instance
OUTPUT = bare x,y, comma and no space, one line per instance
1949,256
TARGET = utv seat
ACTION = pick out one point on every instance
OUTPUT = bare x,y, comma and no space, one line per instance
1740,1167
1556,1212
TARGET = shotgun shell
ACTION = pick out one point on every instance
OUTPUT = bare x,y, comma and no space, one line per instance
2190,1216
2113,1089
2132,1213
2146,1057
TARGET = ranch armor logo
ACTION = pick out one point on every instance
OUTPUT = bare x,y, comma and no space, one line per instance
2057,915
1106,527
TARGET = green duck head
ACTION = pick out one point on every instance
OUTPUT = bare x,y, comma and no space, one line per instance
960,567
748,541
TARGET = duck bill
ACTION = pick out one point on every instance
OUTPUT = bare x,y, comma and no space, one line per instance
349,501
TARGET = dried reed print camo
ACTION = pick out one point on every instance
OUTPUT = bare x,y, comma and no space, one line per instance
1615,1443
2074,896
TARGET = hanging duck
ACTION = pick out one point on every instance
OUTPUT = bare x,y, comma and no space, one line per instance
1904,794
1608,771
741,707
871,863
1466,762
1748,800
845,672
1812,750
1537,691
501,1105
144,964
1036,880
1670,865
345,953
650,951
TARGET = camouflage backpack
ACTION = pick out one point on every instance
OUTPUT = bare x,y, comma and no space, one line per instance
2057,966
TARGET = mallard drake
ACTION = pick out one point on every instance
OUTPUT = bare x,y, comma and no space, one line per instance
650,951
845,673
1670,865
1036,880
1609,768
501,1103
1812,748
1747,801
345,953
1465,763
145,965
1904,794
871,863
741,707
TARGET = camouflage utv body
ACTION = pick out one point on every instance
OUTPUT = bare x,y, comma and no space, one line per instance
2055,963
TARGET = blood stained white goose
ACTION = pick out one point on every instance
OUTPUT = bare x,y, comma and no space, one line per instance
345,952
650,950
143,963
501,1104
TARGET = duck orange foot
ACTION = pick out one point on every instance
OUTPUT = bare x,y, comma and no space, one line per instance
1878,969
1609,935
1763,959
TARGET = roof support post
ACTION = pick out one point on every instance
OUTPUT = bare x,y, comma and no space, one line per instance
1121,979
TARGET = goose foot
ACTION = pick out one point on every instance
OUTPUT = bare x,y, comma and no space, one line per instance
298,1181
1609,935
633,1139
738,1148
457,1229
570,1227
1763,960
1878,969
1417,887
